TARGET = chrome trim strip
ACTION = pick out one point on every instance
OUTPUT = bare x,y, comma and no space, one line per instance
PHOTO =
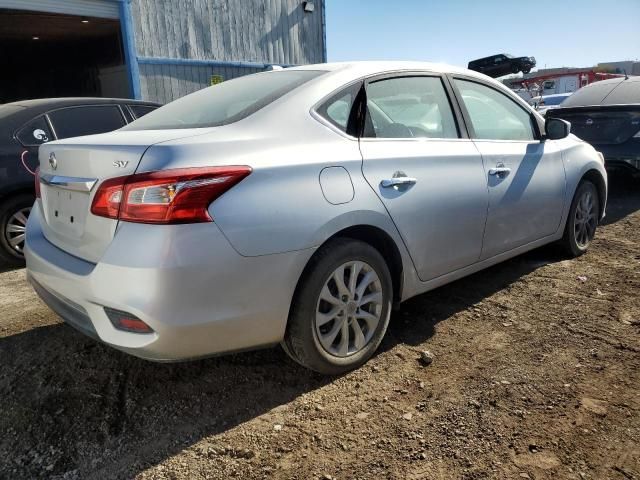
68,183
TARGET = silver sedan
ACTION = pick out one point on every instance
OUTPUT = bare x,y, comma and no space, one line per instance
298,206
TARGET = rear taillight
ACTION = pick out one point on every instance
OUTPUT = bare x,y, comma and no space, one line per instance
166,196
37,182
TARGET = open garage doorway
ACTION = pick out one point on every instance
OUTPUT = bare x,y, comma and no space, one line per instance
54,55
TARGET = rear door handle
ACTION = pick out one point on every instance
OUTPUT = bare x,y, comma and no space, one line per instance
397,181
500,170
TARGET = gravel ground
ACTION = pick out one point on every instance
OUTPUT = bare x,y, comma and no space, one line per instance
535,374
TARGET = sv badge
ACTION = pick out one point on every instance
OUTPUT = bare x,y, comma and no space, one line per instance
120,163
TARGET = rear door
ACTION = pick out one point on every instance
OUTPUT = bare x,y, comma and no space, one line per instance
429,177
525,176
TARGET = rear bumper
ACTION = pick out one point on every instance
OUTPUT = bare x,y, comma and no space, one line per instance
186,282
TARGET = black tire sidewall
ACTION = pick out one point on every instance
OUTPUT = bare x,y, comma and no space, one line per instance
8,207
302,340
571,245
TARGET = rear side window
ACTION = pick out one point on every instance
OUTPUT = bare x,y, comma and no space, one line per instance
226,102
77,121
141,110
493,115
409,107
338,108
36,132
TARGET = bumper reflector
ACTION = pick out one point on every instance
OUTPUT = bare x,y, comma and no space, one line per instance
126,322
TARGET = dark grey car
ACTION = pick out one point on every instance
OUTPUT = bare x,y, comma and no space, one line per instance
606,114
27,124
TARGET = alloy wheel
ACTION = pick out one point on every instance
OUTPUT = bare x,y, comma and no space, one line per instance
15,230
349,309
586,220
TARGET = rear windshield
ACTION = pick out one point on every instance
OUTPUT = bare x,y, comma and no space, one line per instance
627,92
590,95
226,102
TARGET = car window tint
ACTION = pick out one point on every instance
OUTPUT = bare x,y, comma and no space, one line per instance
628,91
409,107
77,121
36,132
337,109
592,94
141,110
493,115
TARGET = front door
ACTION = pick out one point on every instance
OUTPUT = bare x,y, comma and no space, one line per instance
525,176
431,181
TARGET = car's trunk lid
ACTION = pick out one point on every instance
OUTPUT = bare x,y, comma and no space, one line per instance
602,125
72,170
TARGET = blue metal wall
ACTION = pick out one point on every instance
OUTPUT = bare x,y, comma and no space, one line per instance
180,44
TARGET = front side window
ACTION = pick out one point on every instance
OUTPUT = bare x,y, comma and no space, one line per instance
89,120
226,102
409,107
36,132
493,115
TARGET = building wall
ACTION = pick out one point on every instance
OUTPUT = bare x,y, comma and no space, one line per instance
180,44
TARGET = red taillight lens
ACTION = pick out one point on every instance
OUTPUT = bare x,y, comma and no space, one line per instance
167,196
37,182
107,200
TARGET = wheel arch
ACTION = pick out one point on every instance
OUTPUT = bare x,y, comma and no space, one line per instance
379,239
595,177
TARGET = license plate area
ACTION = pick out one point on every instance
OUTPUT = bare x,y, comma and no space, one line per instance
65,210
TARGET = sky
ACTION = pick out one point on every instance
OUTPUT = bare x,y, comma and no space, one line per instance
573,33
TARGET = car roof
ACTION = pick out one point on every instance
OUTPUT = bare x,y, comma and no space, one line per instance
365,68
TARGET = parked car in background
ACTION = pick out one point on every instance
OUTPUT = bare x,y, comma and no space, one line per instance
502,64
24,126
607,115
298,205
547,102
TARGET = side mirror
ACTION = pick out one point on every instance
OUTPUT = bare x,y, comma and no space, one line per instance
556,129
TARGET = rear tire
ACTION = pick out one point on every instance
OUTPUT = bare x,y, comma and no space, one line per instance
341,308
582,221
14,212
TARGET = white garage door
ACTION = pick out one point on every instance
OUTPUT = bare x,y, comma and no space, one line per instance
87,8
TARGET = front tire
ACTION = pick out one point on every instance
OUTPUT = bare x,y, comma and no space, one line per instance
341,308
582,221
13,222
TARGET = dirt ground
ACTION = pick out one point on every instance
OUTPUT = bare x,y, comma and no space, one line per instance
536,375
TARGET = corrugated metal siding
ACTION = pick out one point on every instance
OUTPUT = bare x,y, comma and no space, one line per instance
87,8
163,83
264,31
269,31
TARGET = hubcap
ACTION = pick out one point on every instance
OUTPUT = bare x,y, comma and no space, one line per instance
15,230
585,220
349,309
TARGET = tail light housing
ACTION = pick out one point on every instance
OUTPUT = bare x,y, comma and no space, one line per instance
37,182
166,196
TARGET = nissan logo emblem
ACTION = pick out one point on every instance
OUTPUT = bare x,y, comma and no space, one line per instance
589,121
52,161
